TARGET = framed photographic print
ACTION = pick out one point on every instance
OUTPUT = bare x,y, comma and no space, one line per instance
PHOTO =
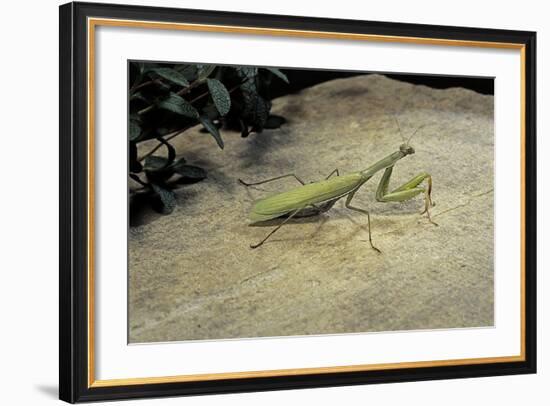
257,202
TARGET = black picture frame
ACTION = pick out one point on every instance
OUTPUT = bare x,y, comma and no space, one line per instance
74,385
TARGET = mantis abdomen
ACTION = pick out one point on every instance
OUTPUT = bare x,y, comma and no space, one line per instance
280,204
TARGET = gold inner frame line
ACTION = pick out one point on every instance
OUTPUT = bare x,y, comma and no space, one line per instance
94,22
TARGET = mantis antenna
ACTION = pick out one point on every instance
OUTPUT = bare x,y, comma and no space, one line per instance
399,127
415,131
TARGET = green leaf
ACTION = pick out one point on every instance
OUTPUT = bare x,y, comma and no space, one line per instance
189,71
157,169
190,172
212,129
134,129
171,75
155,163
180,161
170,148
167,198
141,67
205,71
211,111
148,66
247,72
256,108
178,105
136,68
279,74
220,95
138,96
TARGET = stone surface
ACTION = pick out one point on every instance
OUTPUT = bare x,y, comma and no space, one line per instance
193,276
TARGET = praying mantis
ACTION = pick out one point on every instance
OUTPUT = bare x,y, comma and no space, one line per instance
319,197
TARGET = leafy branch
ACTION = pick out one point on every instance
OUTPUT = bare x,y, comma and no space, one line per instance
166,100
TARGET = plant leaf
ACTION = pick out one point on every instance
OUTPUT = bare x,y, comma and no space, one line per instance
279,74
180,161
205,71
172,75
211,111
148,66
212,129
138,96
256,108
170,148
134,129
158,167
167,198
220,95
247,72
141,67
155,163
178,105
190,172
189,71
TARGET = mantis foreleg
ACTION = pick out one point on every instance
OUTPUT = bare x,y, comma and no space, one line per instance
349,206
406,191
276,228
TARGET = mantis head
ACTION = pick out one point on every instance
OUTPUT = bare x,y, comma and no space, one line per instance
406,149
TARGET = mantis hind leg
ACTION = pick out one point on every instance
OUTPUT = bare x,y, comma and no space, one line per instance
407,191
349,206
289,175
295,212
332,173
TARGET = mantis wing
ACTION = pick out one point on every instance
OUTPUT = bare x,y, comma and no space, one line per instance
282,203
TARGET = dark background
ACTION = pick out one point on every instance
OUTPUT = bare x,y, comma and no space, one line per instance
302,78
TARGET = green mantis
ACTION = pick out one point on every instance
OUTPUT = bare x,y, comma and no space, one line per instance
318,197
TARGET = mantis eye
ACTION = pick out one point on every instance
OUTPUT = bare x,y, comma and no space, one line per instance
406,149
